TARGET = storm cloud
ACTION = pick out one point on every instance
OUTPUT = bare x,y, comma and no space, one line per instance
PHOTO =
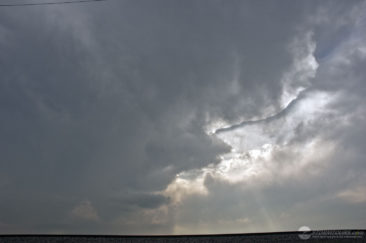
140,117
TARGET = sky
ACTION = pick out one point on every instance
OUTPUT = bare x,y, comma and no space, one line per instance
182,117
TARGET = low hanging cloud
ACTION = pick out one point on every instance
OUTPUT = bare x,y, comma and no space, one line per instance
157,117
85,211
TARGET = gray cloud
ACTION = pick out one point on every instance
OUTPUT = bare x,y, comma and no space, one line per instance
291,106
102,105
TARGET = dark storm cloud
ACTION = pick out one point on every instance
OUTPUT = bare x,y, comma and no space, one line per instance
102,104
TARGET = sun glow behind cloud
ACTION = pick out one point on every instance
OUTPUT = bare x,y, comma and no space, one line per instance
187,117
254,148
258,147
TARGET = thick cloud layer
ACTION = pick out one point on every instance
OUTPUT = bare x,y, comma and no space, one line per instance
182,116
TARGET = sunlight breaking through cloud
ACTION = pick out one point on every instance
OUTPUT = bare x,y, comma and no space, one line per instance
255,144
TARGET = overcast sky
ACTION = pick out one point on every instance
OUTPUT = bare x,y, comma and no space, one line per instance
178,117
